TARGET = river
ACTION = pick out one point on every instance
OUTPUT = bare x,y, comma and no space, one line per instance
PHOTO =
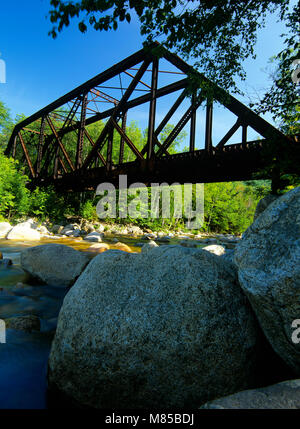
24,356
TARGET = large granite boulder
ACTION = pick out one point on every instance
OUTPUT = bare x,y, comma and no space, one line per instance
54,264
5,227
285,395
169,327
264,203
25,231
268,261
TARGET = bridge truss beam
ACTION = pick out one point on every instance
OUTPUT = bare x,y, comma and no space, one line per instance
57,147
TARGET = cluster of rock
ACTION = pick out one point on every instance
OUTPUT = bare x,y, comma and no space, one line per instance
177,326
23,231
95,232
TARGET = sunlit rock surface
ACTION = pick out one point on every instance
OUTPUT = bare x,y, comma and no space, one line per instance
170,327
54,264
268,260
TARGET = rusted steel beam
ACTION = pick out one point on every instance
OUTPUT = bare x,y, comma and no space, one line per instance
11,143
104,96
80,138
63,165
72,113
14,146
168,89
159,144
152,110
100,156
113,71
40,146
127,140
170,113
122,141
31,131
56,162
131,75
193,125
230,133
116,112
160,71
239,109
208,126
27,157
164,123
180,125
244,134
60,143
110,140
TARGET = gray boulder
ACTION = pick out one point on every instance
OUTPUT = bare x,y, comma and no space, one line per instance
146,247
228,255
5,227
285,395
54,264
25,231
268,261
23,323
165,328
94,237
263,204
216,249
57,229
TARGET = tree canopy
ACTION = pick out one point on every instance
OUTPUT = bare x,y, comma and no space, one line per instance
217,35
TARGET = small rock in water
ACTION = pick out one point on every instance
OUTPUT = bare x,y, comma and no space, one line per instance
1,255
189,244
149,236
94,237
54,264
215,248
23,323
6,262
98,247
57,229
164,238
122,246
149,246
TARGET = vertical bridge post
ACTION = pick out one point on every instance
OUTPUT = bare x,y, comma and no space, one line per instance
81,132
208,127
152,111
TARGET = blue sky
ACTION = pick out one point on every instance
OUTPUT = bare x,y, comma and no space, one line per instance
40,69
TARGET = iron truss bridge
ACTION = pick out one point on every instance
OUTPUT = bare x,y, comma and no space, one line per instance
84,138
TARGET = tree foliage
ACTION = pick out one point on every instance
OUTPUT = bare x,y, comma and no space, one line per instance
218,35
282,98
